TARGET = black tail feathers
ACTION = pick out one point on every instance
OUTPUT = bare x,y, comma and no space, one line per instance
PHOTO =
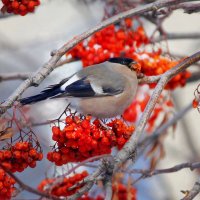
52,91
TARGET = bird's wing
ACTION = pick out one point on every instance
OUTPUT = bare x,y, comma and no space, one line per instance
89,86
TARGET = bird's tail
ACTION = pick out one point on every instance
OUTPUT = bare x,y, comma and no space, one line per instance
52,91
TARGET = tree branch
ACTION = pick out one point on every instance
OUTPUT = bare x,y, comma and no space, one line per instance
130,147
45,70
161,130
193,192
177,36
14,76
189,7
90,181
108,189
28,188
148,173
59,179
25,75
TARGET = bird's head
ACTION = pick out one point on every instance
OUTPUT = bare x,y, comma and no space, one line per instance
128,62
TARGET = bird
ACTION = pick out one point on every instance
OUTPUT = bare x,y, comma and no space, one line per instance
103,90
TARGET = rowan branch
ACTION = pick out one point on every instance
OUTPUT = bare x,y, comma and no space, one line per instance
14,76
189,7
177,36
193,192
25,75
108,189
90,181
46,69
161,130
130,147
149,173
59,179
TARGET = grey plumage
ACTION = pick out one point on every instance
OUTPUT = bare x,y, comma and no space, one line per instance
109,81
99,76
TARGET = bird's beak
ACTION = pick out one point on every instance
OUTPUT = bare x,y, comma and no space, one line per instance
135,66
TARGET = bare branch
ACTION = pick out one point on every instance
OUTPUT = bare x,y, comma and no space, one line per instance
60,178
45,70
193,192
130,147
177,36
108,189
161,130
14,76
148,173
90,181
189,7
149,79
25,75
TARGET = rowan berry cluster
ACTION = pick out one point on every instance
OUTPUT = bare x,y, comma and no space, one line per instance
124,41
196,100
6,185
20,156
83,138
122,192
62,189
112,41
132,113
155,64
19,7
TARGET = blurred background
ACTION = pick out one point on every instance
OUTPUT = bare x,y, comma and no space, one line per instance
25,45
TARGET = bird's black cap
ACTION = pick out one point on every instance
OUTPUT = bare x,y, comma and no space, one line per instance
122,61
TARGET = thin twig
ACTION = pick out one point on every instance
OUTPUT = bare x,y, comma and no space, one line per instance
25,75
148,173
178,36
14,76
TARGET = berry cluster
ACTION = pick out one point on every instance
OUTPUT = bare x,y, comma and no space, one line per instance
155,64
123,41
131,113
112,41
163,107
196,100
20,156
121,191
81,139
195,103
62,189
6,185
19,7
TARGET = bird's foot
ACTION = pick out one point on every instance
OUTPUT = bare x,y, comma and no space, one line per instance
104,125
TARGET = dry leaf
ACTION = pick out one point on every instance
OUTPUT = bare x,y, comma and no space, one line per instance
7,134
185,192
